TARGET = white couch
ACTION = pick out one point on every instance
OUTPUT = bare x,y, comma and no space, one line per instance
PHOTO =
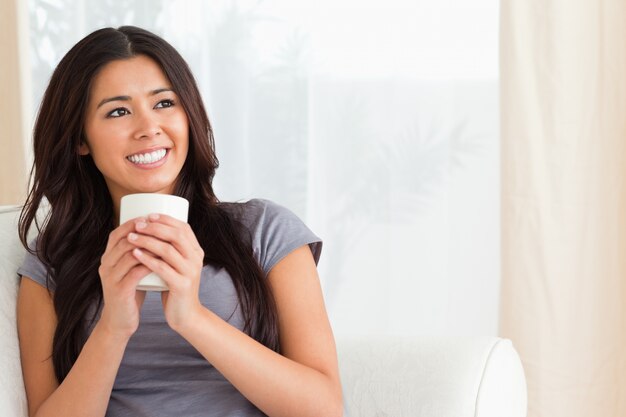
381,377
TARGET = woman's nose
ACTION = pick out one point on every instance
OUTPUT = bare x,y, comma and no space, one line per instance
147,125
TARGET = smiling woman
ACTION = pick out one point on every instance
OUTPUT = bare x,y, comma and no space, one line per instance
244,317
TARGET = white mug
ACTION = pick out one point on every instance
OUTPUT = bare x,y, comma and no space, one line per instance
141,205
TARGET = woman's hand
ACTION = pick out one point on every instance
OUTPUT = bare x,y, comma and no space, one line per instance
120,273
169,248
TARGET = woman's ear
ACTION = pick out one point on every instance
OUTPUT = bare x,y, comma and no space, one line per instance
83,149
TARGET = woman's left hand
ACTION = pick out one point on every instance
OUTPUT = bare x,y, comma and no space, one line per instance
178,260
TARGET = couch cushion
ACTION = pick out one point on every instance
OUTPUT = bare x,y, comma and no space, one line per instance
12,395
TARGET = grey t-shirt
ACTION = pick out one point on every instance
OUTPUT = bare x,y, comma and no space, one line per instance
161,374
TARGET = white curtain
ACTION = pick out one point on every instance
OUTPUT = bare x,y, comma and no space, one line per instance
376,122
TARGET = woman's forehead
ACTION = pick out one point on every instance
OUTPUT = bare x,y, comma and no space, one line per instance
138,75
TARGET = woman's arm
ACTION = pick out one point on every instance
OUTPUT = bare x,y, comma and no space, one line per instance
302,382
87,388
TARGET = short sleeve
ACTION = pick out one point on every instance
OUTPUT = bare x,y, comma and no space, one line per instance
276,231
34,269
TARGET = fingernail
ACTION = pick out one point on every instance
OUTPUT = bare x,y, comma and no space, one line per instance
132,236
153,217
137,252
141,225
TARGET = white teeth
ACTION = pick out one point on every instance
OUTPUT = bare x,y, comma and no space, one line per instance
147,158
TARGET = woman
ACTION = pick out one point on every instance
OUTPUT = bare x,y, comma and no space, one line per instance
243,329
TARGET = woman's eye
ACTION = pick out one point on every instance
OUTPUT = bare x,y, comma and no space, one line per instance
120,111
164,103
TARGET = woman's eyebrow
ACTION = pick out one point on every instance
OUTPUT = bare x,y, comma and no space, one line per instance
129,98
116,98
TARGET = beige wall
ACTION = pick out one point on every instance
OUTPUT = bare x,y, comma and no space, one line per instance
15,119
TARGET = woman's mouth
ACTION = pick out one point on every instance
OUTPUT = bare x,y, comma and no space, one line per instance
148,158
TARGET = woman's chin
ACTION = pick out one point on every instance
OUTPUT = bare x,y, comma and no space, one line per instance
164,188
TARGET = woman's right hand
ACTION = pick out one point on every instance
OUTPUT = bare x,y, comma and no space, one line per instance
120,273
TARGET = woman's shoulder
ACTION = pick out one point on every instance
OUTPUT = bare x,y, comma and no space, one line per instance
258,205
32,266
258,212
274,230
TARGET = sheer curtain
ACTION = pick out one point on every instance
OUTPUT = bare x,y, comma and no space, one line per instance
377,124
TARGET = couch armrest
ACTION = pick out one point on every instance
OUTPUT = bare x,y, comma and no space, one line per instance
431,377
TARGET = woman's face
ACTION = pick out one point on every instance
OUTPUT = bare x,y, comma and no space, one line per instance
137,131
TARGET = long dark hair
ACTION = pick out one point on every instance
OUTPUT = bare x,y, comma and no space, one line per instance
74,234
